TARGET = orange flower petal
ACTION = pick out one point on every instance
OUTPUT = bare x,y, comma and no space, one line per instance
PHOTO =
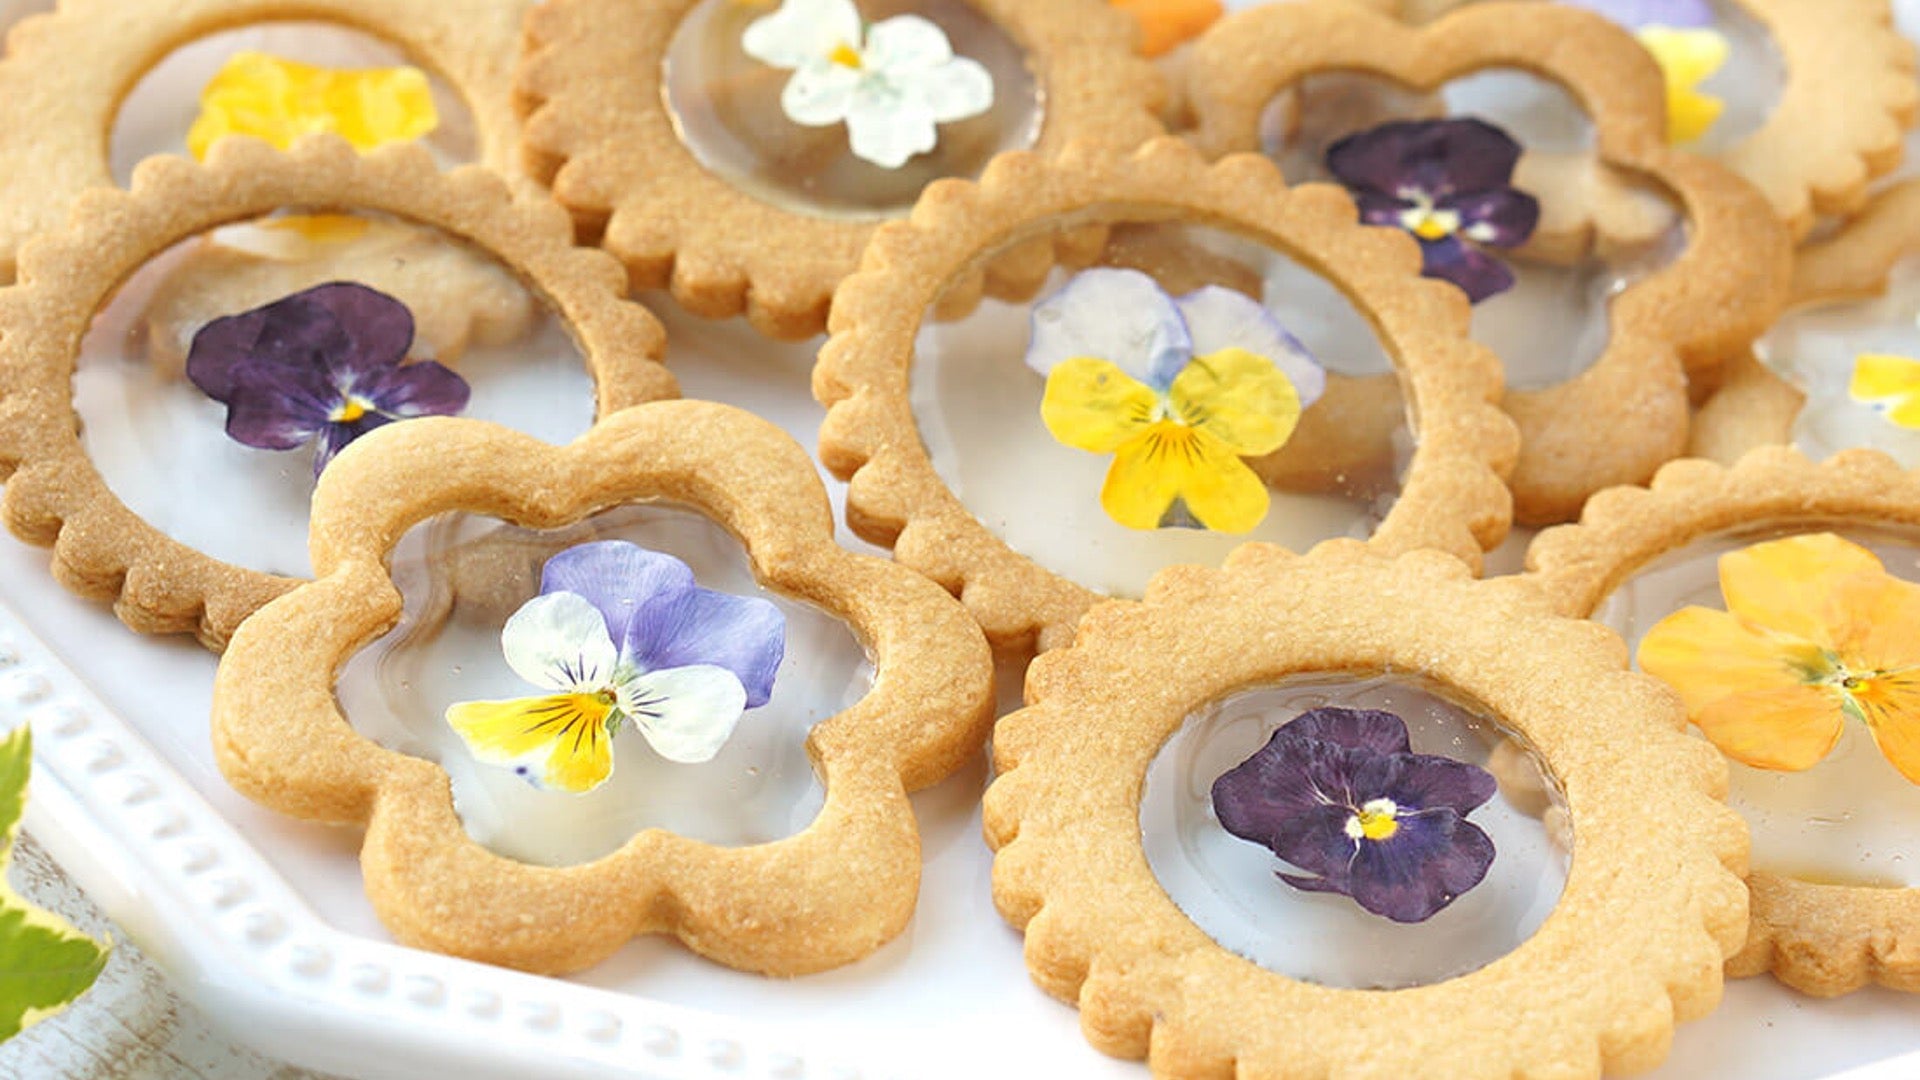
1885,622
1788,585
1167,24
1891,704
1787,728
1710,655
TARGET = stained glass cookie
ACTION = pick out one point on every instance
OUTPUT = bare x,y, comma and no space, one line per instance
1653,306
159,435
640,728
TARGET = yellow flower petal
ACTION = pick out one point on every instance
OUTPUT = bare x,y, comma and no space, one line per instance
1093,405
1167,24
1889,381
281,100
1708,656
1788,728
1239,398
1687,58
1171,461
1791,586
560,741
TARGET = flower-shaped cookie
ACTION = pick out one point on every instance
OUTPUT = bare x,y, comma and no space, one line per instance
1450,497
1650,910
1626,414
66,73
55,497
834,892
1819,937
600,130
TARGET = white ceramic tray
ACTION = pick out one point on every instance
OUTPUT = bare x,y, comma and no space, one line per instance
262,922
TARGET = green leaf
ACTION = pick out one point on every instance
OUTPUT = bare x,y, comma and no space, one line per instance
44,962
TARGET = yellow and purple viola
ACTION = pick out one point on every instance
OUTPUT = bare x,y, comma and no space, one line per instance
1449,183
1681,36
618,636
1890,384
326,365
1816,635
1340,794
280,100
1178,390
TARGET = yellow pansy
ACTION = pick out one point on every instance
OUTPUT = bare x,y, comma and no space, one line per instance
280,100
1687,58
1891,384
1816,632
1179,391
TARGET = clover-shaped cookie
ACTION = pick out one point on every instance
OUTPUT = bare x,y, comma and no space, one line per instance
834,892
614,87
66,73
1160,359
56,496
1626,414
1831,918
1841,366
1650,908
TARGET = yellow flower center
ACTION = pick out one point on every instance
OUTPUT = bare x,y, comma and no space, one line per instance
1428,222
1378,819
348,411
846,56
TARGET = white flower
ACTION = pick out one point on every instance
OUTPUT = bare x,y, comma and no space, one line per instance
892,82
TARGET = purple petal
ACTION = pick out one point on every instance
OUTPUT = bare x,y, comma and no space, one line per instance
1634,14
746,635
423,389
1427,863
1378,209
335,437
272,407
1436,157
1500,217
292,332
617,577
379,329
1426,782
1478,274
1317,842
1266,795
1356,729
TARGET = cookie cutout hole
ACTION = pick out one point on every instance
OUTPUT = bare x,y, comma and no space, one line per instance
156,115
161,442
1552,324
977,404
726,107
1815,347
463,576
1848,819
1227,886
1749,83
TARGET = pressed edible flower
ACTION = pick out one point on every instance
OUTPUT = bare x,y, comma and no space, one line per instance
1889,383
892,82
1449,183
1681,37
280,100
1816,633
325,364
1165,25
620,635
1177,390
1340,794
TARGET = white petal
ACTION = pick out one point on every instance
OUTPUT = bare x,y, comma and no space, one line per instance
905,43
559,641
956,90
802,30
686,713
887,127
1120,316
1220,318
819,94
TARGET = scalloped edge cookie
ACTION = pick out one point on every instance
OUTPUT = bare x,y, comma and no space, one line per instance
1652,904
1452,497
56,498
1823,940
67,71
829,895
1700,310
632,182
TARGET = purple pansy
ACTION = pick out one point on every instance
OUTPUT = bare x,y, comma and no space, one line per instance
1636,14
1340,794
325,364
1449,183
